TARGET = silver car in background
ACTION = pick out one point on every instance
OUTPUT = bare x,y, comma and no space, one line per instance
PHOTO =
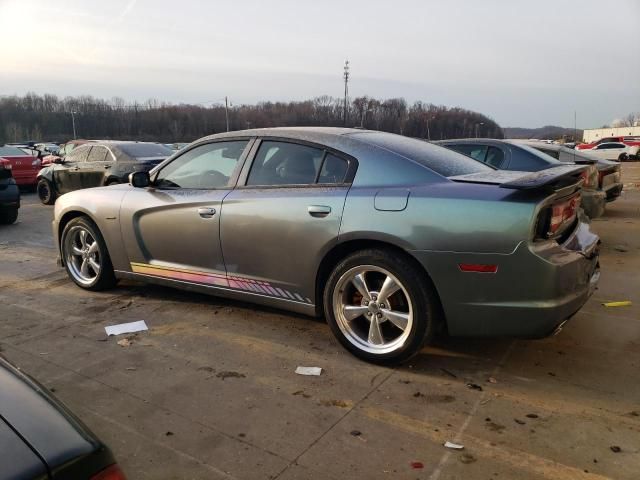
390,238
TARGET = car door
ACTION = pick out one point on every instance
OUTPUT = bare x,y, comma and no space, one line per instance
93,171
609,151
282,217
171,229
66,175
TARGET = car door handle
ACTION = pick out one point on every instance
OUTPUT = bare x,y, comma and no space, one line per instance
319,210
107,166
206,212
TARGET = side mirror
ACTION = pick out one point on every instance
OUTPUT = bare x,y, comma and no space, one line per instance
140,179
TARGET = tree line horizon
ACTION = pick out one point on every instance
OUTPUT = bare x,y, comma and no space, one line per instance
47,117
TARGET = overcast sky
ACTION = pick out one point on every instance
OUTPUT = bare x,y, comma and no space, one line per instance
523,63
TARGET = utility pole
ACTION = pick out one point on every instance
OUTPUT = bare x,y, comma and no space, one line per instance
478,125
346,89
73,122
226,111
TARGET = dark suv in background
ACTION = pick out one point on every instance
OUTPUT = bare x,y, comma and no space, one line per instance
96,164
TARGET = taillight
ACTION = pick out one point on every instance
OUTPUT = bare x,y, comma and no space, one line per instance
589,176
562,214
112,472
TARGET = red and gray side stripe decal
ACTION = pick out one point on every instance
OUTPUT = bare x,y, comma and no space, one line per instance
216,279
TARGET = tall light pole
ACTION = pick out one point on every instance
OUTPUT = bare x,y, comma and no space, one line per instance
429,131
73,122
346,89
477,125
226,111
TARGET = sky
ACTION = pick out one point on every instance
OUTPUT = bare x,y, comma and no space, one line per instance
523,63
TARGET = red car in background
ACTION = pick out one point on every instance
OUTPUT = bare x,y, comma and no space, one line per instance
628,140
25,167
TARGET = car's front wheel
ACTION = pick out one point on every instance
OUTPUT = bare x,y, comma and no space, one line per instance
46,192
85,255
380,306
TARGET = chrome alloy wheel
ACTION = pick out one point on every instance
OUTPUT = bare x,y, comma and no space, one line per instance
82,255
373,309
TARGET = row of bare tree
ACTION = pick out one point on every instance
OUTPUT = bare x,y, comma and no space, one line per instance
50,118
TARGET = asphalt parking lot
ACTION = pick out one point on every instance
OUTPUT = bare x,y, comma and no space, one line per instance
210,390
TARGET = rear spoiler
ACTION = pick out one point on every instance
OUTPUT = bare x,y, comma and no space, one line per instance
553,178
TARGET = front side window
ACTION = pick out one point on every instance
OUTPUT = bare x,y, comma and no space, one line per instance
207,166
79,154
281,163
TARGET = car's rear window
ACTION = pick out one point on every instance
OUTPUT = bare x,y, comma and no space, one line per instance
439,159
11,151
145,150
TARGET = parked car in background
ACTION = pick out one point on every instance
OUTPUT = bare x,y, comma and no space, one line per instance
9,194
24,165
609,174
389,237
615,151
628,140
42,439
97,163
513,155
47,149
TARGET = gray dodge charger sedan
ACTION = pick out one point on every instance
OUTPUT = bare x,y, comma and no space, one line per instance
390,238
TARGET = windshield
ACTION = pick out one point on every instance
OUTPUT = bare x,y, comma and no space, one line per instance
547,158
439,159
145,150
8,151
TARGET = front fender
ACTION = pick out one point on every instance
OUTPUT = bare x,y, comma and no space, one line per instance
102,206
46,173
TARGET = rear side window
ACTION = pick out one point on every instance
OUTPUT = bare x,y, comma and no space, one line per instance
334,169
97,154
495,157
477,152
281,163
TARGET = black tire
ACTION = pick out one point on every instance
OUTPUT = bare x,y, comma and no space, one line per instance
623,157
46,192
106,278
8,216
417,290
112,182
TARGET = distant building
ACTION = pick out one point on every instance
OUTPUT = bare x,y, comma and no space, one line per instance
595,134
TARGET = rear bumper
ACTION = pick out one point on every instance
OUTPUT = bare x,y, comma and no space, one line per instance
9,195
536,289
28,178
593,202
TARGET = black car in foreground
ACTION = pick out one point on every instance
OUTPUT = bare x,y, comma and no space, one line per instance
41,439
514,155
9,194
97,164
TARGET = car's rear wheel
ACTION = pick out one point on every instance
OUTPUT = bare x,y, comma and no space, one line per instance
623,157
8,216
380,306
46,192
85,255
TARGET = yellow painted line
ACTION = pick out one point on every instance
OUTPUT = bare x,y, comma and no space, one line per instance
481,448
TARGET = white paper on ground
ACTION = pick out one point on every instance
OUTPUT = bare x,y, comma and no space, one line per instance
308,370
455,446
130,327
